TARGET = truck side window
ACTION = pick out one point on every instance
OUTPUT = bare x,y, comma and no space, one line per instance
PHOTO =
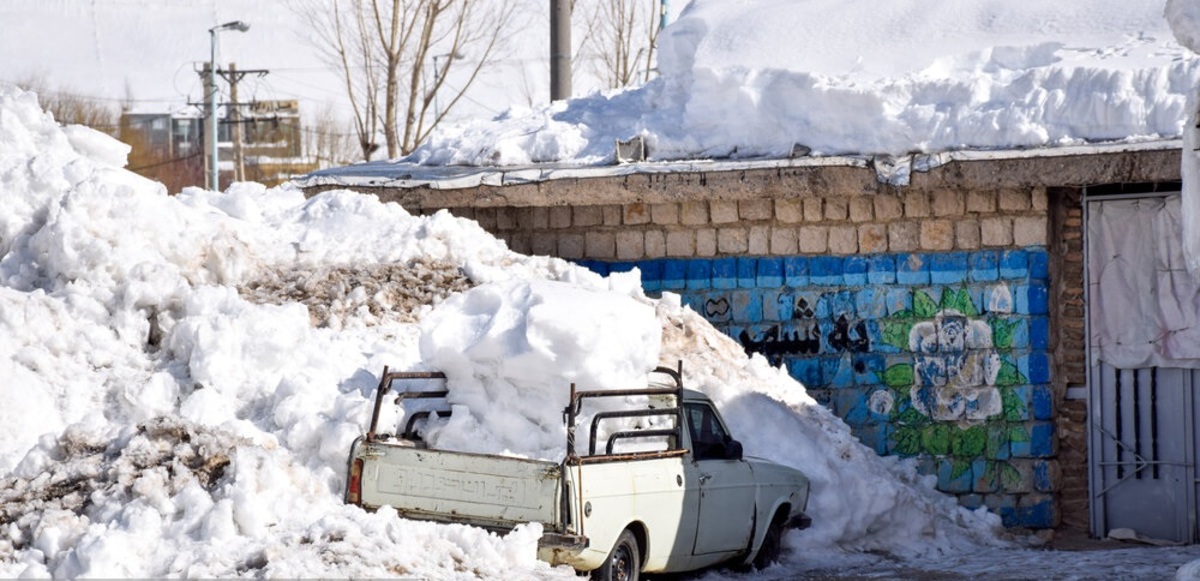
708,437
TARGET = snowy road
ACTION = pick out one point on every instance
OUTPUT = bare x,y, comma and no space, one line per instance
1098,560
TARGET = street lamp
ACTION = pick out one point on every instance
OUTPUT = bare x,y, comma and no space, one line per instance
239,26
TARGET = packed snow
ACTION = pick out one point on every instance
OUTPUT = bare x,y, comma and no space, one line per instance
188,373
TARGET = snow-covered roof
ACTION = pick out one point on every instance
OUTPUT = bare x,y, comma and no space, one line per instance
893,170
754,79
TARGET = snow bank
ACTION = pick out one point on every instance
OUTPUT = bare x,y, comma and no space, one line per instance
510,350
186,375
754,78
162,417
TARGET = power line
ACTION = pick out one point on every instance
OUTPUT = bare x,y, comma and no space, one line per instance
166,162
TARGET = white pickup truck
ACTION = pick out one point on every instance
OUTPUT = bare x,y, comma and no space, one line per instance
669,490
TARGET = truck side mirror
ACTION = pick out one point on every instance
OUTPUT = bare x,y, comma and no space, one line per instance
733,450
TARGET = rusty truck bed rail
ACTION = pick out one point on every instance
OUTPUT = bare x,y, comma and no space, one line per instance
385,385
570,414
673,435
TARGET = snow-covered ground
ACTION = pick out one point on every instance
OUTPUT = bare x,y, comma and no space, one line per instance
184,375
187,374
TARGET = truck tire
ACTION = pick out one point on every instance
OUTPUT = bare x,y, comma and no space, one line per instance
624,563
772,545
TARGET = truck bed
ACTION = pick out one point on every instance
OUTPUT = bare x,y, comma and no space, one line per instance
491,491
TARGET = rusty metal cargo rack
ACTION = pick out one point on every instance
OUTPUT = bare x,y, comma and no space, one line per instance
674,434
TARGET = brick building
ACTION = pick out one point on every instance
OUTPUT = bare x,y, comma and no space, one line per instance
169,147
943,320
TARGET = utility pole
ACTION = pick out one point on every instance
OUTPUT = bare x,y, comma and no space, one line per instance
560,49
210,107
233,76
235,116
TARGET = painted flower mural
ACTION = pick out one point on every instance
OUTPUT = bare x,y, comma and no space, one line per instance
960,378
955,369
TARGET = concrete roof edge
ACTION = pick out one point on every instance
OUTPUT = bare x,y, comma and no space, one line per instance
380,174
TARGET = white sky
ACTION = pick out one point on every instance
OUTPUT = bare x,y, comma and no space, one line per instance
150,50
128,319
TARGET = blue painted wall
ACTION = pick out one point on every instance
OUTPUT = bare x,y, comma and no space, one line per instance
939,356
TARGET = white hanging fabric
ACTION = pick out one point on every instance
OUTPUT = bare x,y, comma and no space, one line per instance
1144,306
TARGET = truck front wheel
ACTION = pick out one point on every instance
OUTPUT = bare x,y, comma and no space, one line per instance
772,545
624,563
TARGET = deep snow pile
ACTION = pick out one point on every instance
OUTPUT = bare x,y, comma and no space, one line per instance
752,78
184,376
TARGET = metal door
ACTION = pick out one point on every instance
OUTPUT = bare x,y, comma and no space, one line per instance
1142,438
1143,470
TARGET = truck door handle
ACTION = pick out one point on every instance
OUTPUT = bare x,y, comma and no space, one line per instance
705,478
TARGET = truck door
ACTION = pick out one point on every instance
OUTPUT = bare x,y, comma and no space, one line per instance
726,485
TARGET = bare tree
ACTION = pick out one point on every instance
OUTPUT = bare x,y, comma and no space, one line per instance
619,39
396,57
326,143
342,33
69,108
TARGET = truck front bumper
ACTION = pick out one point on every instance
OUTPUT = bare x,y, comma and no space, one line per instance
799,522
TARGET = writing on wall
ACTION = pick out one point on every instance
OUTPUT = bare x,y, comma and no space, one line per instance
938,356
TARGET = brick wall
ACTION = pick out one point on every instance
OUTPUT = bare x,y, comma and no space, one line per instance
920,318
942,220
942,320
1069,346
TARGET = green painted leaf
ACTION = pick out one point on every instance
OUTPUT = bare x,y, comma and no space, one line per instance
968,305
905,314
959,300
1018,434
959,468
935,439
909,415
1015,409
908,441
997,441
900,375
1010,477
912,417
1009,375
948,298
923,305
971,442
1002,332
895,333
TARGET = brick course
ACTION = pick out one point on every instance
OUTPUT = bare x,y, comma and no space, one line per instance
963,211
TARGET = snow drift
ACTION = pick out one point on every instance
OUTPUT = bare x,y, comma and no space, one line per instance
186,373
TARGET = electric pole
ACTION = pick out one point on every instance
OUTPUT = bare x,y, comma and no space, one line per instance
233,76
210,107
560,49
